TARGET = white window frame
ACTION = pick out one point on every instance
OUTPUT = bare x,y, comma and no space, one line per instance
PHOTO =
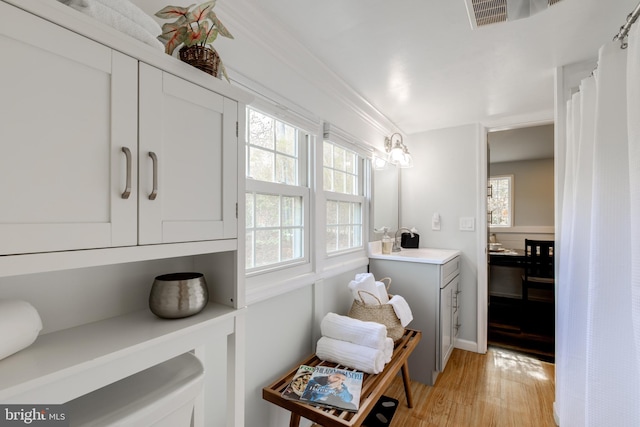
510,179
359,198
305,148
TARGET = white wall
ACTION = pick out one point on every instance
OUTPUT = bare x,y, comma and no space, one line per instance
445,180
281,332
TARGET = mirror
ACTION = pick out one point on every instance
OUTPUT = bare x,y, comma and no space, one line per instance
385,204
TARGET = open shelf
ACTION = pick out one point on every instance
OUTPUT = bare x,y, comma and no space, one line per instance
63,365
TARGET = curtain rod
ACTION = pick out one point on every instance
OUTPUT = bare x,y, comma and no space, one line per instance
624,30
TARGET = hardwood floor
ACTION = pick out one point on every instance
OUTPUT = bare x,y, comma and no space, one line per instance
501,388
529,330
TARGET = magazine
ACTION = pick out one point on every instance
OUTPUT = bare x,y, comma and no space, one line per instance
299,382
333,387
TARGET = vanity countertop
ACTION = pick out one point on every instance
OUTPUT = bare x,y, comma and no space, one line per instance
423,255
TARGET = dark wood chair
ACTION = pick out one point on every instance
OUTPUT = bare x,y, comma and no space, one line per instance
539,271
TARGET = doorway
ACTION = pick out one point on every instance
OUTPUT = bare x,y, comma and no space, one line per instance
520,205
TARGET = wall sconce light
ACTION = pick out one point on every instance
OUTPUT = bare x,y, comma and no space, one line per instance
398,152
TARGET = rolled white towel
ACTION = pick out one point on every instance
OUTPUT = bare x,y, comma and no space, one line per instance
20,324
344,328
115,19
388,349
361,358
402,309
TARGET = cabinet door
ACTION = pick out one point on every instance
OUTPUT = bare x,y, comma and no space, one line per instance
446,322
68,108
188,145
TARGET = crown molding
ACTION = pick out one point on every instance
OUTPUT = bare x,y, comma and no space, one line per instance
242,15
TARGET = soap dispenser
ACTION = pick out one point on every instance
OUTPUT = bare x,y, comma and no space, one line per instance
387,241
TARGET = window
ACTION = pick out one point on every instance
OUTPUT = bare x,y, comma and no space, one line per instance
343,188
500,201
277,194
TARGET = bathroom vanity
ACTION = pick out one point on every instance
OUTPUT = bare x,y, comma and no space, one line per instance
429,279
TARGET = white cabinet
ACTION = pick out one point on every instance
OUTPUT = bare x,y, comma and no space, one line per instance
80,238
69,176
188,149
69,106
430,286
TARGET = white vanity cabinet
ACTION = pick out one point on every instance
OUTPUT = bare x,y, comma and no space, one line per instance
429,279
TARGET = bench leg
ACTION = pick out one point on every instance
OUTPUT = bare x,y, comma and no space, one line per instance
407,384
294,421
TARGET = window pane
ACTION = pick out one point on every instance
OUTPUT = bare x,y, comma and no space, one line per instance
327,154
332,238
340,170
261,130
344,213
499,204
350,184
339,158
285,139
339,181
261,164
291,211
291,242
328,180
249,215
286,170
267,247
332,212
249,250
267,210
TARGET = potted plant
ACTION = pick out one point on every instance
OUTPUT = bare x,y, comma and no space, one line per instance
195,28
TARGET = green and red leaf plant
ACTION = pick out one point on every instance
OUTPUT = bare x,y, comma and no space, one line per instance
199,26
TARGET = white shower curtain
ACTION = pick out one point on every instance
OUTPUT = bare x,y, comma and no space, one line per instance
598,333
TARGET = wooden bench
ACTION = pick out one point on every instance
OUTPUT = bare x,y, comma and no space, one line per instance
372,388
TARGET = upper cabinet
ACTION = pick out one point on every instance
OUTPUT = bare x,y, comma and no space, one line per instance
100,150
188,149
69,106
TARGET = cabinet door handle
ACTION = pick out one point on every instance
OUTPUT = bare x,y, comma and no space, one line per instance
154,192
127,190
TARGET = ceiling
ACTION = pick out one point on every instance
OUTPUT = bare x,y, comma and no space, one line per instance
524,143
422,65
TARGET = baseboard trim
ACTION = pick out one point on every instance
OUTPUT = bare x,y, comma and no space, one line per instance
467,345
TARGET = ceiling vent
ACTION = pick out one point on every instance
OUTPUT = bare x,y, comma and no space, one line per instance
486,12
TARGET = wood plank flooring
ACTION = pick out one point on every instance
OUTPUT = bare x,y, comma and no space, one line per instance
501,388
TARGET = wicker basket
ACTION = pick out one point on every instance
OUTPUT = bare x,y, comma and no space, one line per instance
204,58
381,313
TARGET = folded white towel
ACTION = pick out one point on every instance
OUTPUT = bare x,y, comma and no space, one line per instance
137,15
382,292
402,309
344,328
361,358
367,283
115,19
20,324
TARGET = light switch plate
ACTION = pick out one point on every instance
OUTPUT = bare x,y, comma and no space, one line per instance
467,224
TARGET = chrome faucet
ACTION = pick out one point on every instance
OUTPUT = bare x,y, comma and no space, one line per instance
396,246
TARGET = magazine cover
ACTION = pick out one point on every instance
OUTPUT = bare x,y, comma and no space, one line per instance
298,383
333,387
